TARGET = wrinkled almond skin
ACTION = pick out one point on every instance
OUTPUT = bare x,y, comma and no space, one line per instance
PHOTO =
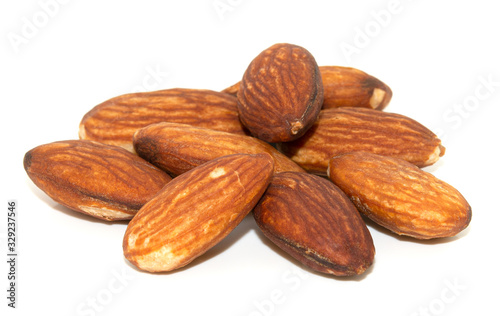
345,86
195,211
343,130
399,196
177,148
281,93
103,181
116,120
350,87
315,222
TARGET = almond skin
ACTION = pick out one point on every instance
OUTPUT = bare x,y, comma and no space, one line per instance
281,93
116,120
399,196
177,148
343,130
351,87
195,211
315,222
103,181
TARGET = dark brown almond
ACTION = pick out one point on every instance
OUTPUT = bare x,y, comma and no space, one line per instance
399,196
195,211
315,222
343,130
281,93
100,180
116,120
177,148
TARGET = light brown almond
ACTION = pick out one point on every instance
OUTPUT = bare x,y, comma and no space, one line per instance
116,120
343,130
399,196
195,211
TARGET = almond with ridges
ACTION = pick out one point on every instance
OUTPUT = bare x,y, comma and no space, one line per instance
281,93
342,130
351,87
195,211
177,148
116,120
103,181
399,196
346,86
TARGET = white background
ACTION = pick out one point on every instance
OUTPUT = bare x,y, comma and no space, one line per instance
59,59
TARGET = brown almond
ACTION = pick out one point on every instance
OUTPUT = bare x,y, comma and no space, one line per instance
116,120
346,86
351,87
399,196
195,211
343,130
315,222
100,180
177,148
281,93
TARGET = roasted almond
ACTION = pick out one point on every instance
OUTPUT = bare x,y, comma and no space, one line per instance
343,130
315,222
100,180
399,196
195,211
116,120
177,148
345,86
351,87
281,93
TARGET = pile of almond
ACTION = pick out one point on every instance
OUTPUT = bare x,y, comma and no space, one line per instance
307,150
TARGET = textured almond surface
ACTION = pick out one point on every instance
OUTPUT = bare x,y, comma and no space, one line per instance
116,120
195,211
343,130
281,93
315,222
399,196
177,148
345,86
103,181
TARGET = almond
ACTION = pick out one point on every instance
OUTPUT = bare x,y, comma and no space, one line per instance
103,181
351,87
315,222
195,211
116,120
399,196
177,148
345,86
281,93
342,130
